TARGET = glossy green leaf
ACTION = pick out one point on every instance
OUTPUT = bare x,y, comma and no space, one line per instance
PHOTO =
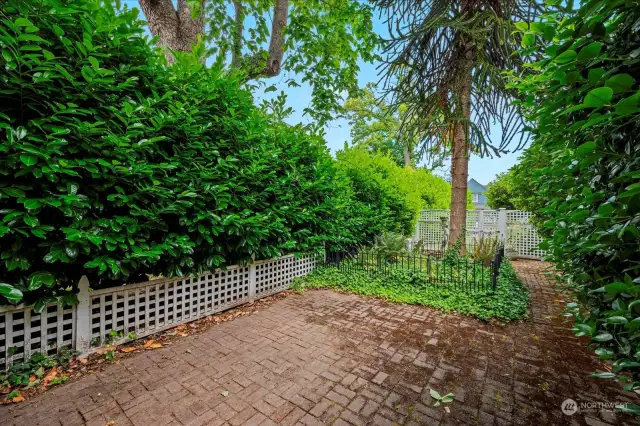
620,82
28,159
39,279
10,293
598,97
566,56
22,22
590,51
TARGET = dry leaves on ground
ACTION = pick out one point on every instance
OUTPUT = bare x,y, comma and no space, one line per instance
50,376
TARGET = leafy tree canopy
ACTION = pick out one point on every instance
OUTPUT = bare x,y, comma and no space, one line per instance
376,127
501,192
397,194
318,42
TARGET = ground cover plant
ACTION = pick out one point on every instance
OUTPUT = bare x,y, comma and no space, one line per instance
509,301
582,172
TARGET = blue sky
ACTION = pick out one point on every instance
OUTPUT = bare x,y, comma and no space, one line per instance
482,170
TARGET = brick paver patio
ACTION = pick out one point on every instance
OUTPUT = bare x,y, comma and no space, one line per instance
329,358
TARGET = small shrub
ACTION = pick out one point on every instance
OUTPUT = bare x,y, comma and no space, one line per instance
20,373
485,247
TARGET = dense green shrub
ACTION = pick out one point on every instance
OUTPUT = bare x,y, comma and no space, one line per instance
393,195
502,192
114,166
508,302
583,169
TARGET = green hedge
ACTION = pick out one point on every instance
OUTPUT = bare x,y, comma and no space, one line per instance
114,166
583,169
392,195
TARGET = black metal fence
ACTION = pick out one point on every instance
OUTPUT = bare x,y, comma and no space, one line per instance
434,267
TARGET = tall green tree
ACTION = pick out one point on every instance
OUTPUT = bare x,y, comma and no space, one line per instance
444,59
501,192
319,40
375,127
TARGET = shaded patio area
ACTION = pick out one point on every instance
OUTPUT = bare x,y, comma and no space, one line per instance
330,358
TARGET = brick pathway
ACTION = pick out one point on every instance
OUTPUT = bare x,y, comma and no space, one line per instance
329,358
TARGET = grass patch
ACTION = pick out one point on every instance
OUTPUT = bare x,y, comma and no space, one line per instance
508,302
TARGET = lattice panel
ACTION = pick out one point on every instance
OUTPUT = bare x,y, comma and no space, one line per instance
433,215
304,266
143,308
23,332
518,217
274,275
430,232
522,237
146,308
490,220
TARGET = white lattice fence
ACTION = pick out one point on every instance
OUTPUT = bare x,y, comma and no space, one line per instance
512,226
522,237
432,226
143,308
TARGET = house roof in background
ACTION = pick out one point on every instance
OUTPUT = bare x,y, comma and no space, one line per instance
475,187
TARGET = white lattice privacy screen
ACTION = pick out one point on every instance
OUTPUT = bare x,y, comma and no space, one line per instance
522,237
512,226
143,308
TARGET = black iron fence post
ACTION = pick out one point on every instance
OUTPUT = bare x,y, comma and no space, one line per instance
495,266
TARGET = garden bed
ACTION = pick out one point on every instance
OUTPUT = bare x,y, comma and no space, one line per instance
508,301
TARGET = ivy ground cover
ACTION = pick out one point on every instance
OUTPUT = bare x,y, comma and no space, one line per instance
509,301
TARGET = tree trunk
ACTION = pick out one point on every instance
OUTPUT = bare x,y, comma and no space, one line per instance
236,52
407,156
460,166
276,43
175,28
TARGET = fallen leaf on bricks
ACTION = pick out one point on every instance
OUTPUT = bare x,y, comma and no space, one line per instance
156,346
148,343
18,398
224,393
129,349
50,376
